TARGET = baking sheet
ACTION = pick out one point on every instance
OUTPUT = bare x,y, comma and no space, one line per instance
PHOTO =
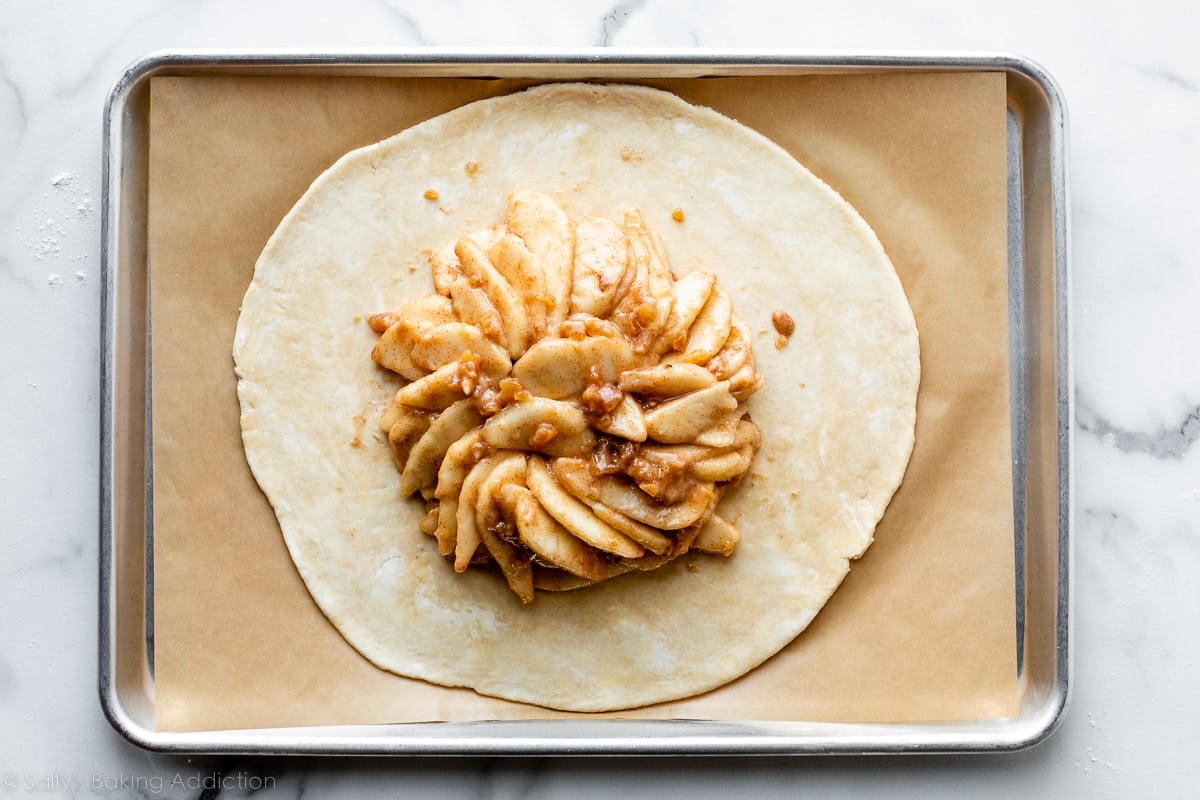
922,629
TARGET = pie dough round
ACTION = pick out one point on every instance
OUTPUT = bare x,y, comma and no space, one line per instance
837,407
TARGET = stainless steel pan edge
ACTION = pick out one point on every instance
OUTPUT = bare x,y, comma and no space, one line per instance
1039,248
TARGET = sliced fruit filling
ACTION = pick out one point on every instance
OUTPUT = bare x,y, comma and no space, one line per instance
573,410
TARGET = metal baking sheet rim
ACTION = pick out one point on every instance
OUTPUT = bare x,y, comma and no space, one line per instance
1043,417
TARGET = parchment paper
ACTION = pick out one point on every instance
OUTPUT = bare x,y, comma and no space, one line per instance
923,628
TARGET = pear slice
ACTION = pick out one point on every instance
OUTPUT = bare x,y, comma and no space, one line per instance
747,434
666,380
551,368
601,259
408,428
683,541
544,228
547,539
473,307
391,415
450,382
684,418
447,526
514,564
550,579
626,421
710,329
467,538
724,467
428,524
509,468
435,391
640,313
425,458
446,264
611,355
691,292
446,268
427,309
688,453
438,345
515,427
558,368
576,517
717,536
513,561
649,538
513,260
631,501
723,432
393,350
625,284
486,238
459,460
745,382
513,320
736,353
653,333
647,255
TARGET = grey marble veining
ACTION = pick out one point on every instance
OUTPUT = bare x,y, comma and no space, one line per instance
408,25
7,678
1173,78
1172,441
615,19
1130,74
12,111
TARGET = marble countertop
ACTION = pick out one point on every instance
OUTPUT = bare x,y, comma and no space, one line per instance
1131,76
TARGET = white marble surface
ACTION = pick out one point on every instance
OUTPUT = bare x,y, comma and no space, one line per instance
1131,75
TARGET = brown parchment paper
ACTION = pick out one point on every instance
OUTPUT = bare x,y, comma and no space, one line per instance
923,628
